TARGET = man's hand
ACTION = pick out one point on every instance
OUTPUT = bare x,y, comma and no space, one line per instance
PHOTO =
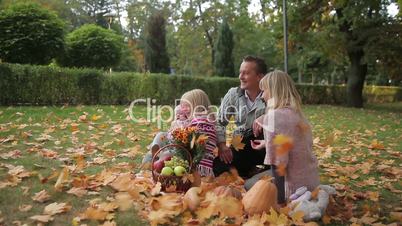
257,144
257,125
225,153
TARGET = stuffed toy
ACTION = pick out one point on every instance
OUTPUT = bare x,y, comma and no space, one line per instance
312,209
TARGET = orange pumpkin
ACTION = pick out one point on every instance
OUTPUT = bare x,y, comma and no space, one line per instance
261,197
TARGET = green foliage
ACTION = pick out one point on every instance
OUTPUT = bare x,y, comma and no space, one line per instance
156,56
30,34
92,46
44,85
223,61
20,84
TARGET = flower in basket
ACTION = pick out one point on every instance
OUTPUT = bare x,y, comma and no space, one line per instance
192,140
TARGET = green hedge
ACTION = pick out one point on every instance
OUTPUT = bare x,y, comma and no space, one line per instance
44,85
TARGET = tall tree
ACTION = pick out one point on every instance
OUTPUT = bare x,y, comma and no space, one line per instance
91,11
223,60
345,32
30,34
156,56
358,22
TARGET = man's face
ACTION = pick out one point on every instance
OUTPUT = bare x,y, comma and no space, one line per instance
249,78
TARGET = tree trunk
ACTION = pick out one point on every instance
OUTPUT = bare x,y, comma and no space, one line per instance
356,76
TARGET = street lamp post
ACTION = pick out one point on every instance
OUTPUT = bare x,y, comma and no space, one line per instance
285,36
109,17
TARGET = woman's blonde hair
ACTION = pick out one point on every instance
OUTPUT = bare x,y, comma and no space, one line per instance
282,91
198,101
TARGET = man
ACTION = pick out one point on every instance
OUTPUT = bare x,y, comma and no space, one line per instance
245,104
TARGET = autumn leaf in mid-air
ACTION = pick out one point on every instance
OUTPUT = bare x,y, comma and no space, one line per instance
236,142
192,143
281,169
202,139
283,144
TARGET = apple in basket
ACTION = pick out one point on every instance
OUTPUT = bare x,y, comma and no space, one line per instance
158,165
179,171
167,171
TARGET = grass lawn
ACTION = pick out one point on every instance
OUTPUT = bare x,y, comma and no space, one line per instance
359,152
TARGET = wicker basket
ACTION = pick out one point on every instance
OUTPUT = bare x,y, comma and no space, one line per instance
171,181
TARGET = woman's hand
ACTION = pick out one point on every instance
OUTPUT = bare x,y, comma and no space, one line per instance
257,125
225,153
257,144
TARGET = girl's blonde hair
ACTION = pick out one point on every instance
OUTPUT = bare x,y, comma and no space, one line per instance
198,101
281,90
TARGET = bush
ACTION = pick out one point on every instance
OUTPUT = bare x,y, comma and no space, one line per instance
30,34
92,46
44,85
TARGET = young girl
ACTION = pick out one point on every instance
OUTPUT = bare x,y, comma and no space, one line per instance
193,111
284,116
161,138
197,103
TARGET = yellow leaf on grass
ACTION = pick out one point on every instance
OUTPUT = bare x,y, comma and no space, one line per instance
79,192
94,214
229,207
236,142
25,208
124,182
63,177
42,218
109,223
165,207
276,219
74,127
376,145
108,206
157,189
254,220
396,216
95,117
81,163
169,201
160,217
373,195
56,208
41,196
124,200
